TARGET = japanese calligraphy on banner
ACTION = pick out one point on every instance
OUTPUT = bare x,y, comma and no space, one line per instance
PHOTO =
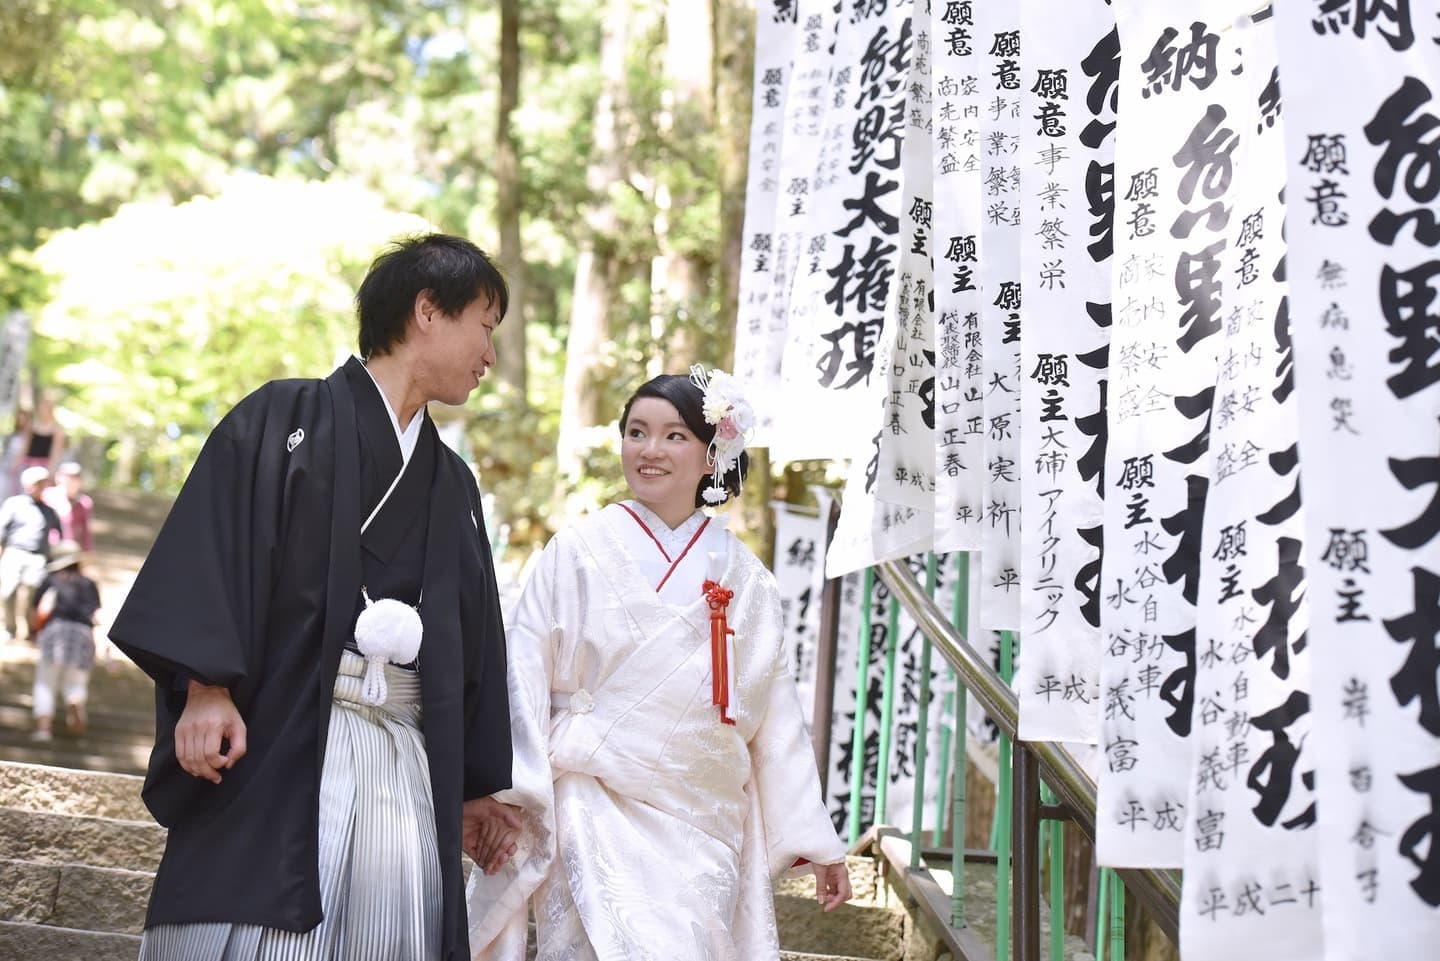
955,250
905,728
1364,178
808,98
1072,69
844,276
1002,130
800,577
907,445
759,340
1173,184
1251,869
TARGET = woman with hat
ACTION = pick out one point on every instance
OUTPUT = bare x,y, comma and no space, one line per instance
65,609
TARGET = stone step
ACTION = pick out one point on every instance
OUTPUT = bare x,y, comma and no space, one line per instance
62,752
120,688
121,715
59,790
75,896
71,839
43,942
796,956
17,711
851,930
102,726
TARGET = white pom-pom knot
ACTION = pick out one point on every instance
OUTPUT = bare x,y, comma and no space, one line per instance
387,630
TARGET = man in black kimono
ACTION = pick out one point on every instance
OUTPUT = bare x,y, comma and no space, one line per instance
245,613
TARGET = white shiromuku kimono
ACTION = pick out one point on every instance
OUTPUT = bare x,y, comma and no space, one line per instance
652,829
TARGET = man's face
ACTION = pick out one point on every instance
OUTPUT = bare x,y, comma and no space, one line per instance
458,350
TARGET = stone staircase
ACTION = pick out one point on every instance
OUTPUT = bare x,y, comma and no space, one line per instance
77,857
78,849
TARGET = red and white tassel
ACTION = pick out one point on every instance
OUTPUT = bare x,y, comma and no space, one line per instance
722,648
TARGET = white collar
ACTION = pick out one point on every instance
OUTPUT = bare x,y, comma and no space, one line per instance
408,437
672,539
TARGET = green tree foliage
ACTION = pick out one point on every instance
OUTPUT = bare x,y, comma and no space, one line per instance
181,205
162,317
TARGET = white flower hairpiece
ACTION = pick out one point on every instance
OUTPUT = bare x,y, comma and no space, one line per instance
727,410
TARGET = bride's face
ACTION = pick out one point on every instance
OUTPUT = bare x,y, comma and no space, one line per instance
663,459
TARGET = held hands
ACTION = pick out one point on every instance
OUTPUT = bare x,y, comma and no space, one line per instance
488,832
210,718
832,884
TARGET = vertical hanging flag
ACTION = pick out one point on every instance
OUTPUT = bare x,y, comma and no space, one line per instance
808,99
759,343
1072,69
907,439
830,376
799,568
955,252
1002,130
1362,127
1173,181
1251,870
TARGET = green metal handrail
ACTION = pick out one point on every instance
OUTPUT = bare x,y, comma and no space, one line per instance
1157,891
922,732
862,694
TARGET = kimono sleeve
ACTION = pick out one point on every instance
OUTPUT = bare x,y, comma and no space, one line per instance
497,904
488,761
785,781
190,611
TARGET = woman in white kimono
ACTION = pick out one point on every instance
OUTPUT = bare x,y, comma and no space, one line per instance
662,766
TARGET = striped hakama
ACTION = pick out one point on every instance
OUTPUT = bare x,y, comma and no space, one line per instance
379,868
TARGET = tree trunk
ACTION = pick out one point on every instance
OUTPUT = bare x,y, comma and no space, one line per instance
596,270
511,339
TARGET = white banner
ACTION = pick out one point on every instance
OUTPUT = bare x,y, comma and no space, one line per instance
760,343
1173,184
1001,130
955,150
844,277
1072,69
808,96
907,442
871,530
1364,163
800,577
1250,843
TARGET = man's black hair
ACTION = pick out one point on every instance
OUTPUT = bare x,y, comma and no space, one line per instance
452,269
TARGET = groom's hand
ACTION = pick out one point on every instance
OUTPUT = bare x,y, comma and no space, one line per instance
489,831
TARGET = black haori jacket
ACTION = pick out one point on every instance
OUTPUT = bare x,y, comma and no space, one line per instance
253,583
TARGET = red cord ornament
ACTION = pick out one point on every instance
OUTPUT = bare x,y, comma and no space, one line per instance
718,599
